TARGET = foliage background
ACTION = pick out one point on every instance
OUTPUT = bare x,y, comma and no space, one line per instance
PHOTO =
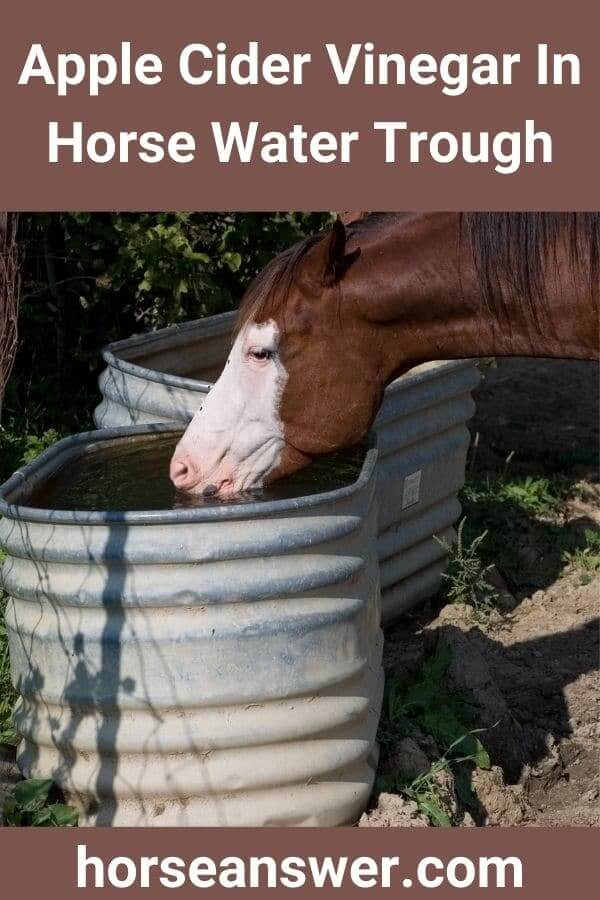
91,278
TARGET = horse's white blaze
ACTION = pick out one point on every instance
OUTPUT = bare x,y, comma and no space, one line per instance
236,437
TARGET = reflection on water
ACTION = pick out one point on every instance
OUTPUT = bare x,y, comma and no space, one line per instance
133,474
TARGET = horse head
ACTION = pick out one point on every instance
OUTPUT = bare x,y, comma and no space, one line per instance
297,382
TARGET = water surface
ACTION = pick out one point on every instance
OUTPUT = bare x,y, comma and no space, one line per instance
133,475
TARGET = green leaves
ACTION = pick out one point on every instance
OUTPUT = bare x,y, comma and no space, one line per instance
58,815
8,736
121,272
537,496
435,812
232,260
30,795
34,445
168,267
18,448
479,754
28,806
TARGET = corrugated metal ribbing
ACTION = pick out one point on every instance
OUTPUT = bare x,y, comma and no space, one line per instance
216,666
423,442
421,430
161,377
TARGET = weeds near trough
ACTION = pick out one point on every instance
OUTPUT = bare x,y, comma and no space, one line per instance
31,804
528,539
587,558
535,496
427,790
465,577
423,706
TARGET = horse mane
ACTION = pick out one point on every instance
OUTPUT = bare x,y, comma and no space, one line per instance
268,291
510,252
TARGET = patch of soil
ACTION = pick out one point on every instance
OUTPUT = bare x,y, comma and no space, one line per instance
393,811
500,804
545,656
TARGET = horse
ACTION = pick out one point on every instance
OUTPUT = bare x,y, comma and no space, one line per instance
327,324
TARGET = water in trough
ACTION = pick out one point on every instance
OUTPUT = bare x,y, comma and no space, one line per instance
134,476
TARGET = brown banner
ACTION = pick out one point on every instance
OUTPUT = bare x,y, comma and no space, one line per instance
567,112
555,863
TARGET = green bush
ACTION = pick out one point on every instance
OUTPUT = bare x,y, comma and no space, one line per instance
31,804
90,278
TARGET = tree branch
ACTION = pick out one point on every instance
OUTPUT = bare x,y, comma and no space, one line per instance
10,286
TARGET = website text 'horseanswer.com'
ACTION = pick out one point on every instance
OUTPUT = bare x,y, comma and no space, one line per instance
294,872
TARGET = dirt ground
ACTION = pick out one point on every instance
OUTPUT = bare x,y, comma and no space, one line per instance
545,411
545,658
534,670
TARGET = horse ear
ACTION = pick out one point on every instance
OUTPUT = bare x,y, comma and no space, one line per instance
335,260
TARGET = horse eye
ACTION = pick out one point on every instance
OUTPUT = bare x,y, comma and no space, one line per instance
261,354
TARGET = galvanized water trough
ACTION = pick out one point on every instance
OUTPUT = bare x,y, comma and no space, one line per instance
423,438
207,666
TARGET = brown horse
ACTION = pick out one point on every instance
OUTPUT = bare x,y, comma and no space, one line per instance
328,324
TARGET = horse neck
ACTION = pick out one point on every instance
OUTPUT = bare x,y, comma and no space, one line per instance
428,303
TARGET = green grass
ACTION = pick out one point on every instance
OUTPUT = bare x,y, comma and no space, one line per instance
527,536
424,705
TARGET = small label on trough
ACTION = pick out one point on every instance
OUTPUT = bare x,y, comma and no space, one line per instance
412,489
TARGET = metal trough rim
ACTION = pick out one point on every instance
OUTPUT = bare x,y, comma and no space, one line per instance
210,325
156,517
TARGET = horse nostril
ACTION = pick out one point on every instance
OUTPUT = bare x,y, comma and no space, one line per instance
179,473
210,490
